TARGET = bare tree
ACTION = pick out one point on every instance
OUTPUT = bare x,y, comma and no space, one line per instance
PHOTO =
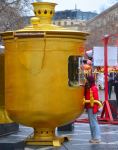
11,12
20,5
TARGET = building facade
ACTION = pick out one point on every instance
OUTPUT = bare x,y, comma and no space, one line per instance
74,14
73,19
105,23
79,25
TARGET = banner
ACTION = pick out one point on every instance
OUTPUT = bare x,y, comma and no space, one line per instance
98,56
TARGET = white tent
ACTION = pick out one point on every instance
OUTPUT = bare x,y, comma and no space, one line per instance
98,56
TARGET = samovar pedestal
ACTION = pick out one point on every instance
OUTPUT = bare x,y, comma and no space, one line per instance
7,126
46,136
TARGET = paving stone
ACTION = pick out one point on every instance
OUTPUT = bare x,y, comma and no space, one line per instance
79,138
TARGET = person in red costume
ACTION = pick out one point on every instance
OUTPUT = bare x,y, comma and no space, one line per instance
92,110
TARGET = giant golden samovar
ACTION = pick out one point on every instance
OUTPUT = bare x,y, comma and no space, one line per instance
37,88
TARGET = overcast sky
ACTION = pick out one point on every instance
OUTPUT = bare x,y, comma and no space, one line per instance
84,5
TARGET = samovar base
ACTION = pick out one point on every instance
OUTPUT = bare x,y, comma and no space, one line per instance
45,137
4,118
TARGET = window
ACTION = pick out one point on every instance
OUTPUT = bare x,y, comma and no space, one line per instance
75,71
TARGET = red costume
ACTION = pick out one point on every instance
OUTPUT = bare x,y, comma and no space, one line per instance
94,90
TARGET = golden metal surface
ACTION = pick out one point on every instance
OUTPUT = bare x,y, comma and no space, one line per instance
36,65
55,141
45,136
4,118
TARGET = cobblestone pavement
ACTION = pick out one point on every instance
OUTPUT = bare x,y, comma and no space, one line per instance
79,139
